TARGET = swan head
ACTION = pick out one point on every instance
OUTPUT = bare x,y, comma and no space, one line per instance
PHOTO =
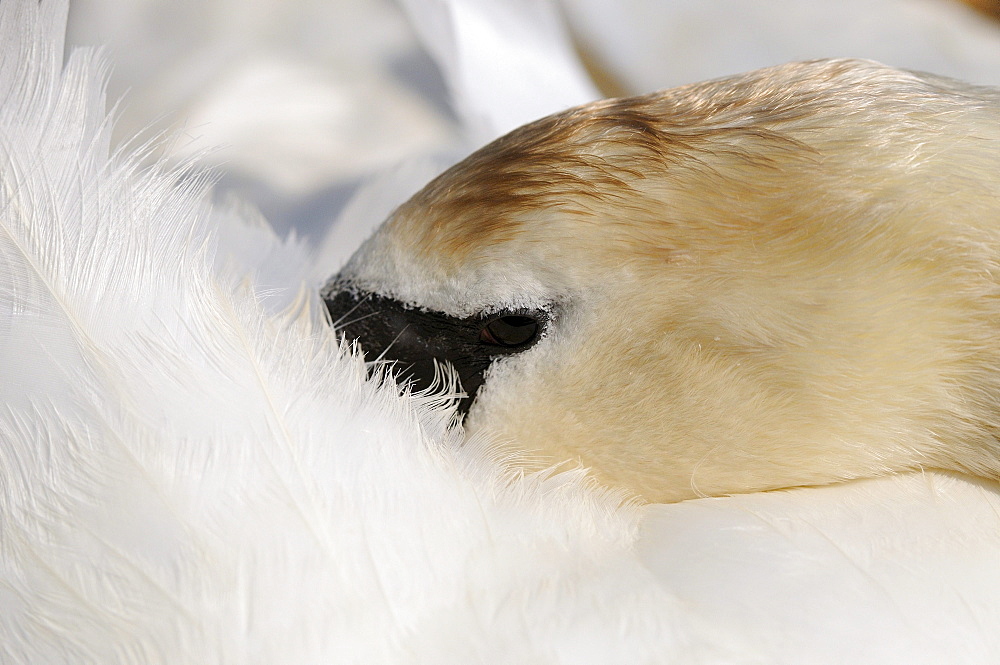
784,278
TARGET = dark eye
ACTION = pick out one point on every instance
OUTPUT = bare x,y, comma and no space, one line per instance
509,331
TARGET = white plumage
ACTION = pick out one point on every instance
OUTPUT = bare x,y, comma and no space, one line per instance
187,476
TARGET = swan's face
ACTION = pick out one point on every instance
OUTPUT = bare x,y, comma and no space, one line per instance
786,278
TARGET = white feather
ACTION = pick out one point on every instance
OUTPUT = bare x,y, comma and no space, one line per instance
489,54
896,570
187,478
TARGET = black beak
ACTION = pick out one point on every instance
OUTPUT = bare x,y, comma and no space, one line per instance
414,339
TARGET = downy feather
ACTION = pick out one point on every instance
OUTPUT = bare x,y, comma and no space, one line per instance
188,478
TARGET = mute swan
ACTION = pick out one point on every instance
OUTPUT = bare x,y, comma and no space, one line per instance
189,477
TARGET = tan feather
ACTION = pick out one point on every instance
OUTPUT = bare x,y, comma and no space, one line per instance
779,279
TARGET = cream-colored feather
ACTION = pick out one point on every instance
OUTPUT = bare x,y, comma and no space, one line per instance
784,278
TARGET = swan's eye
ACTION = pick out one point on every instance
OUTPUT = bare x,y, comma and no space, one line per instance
511,330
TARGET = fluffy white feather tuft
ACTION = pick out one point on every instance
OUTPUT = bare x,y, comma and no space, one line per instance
188,478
